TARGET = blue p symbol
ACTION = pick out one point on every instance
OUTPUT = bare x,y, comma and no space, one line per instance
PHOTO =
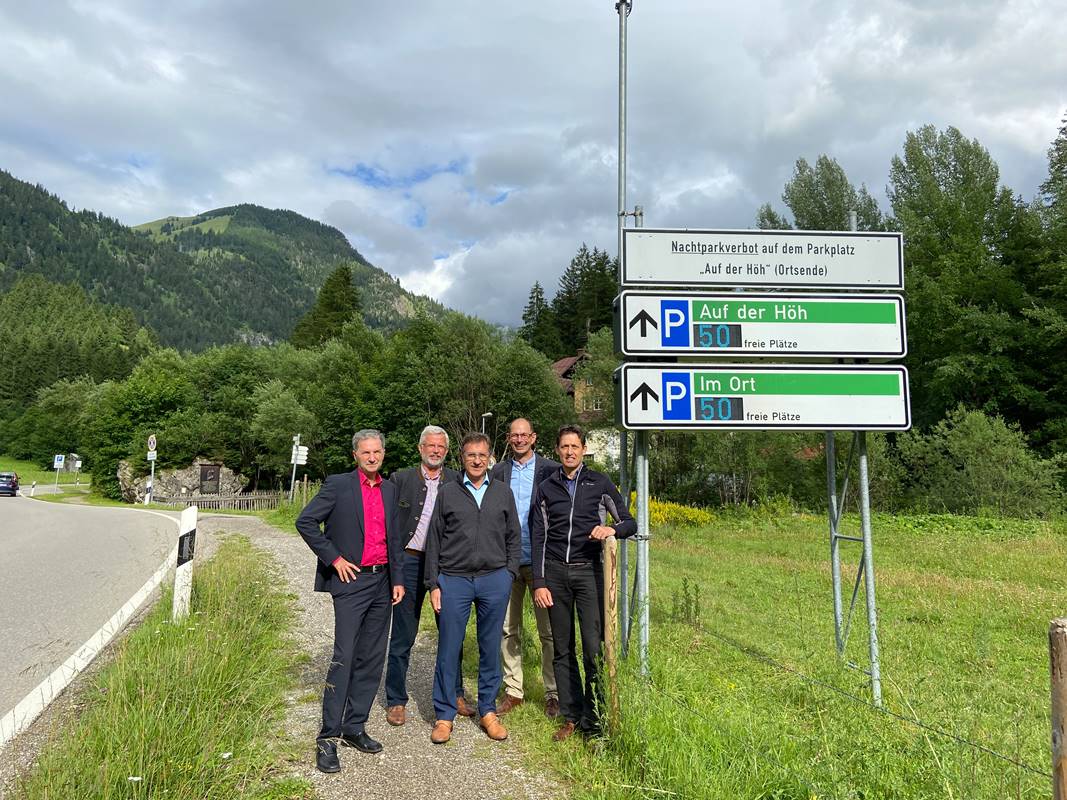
674,321
676,396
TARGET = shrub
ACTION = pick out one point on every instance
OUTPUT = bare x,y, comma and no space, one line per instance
663,512
970,461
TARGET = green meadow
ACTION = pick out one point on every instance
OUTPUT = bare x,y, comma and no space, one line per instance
749,699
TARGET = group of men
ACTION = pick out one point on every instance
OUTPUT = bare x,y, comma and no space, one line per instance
479,536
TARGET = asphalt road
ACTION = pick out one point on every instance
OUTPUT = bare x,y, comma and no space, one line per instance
64,571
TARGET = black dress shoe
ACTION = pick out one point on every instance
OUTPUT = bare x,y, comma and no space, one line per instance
361,741
326,756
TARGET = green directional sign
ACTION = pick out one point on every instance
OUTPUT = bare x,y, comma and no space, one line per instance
738,396
761,324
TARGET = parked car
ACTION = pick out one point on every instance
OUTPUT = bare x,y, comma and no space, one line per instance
9,483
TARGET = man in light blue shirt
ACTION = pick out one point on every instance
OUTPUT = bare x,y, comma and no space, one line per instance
523,471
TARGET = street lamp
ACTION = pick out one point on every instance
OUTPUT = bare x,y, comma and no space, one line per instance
485,416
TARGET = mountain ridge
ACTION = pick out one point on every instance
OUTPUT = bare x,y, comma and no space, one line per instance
237,273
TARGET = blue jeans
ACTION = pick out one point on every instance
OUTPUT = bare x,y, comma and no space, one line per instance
406,615
489,594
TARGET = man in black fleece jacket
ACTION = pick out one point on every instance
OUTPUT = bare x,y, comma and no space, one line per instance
473,549
566,532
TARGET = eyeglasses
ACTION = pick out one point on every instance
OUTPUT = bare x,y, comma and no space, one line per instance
521,436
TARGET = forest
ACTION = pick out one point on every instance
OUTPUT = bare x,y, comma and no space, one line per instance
985,286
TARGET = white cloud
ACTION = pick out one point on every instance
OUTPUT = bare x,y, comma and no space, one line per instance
143,111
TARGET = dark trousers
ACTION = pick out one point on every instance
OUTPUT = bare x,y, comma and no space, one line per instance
406,616
577,587
489,594
360,631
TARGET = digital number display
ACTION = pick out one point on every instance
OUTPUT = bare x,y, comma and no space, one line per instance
716,335
720,409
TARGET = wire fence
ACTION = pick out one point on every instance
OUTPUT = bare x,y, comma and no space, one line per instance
959,739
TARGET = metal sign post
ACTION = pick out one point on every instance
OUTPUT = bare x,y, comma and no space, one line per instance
152,464
57,465
299,456
837,499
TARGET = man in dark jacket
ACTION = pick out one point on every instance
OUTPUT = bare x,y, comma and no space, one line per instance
523,472
359,564
417,490
472,556
574,506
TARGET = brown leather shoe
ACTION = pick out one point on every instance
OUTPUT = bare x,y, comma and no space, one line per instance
396,715
509,703
493,727
442,731
552,707
566,730
462,708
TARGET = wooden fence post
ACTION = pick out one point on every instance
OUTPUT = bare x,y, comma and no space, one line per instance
611,619
1057,653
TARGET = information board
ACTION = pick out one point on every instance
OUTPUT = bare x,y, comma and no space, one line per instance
813,259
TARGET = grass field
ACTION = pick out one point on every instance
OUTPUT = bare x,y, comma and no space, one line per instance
29,471
190,710
179,224
749,700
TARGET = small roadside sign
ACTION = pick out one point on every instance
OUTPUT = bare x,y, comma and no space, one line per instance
152,442
299,454
58,461
761,324
762,397
151,455
813,259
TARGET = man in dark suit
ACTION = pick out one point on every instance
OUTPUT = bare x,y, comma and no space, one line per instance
523,472
417,489
359,563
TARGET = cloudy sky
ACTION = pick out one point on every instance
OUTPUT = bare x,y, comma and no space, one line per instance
469,147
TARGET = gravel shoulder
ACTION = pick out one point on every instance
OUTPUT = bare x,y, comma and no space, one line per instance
410,767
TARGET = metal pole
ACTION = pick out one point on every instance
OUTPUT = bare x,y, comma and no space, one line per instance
292,478
642,550
624,545
623,10
868,571
835,544
151,482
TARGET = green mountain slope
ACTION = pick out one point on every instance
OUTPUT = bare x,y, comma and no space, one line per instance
239,273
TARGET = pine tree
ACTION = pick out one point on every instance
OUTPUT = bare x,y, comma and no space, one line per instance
338,303
539,328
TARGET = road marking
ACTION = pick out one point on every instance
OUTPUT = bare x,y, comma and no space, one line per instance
30,707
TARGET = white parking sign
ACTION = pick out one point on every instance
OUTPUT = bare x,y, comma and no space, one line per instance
58,460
